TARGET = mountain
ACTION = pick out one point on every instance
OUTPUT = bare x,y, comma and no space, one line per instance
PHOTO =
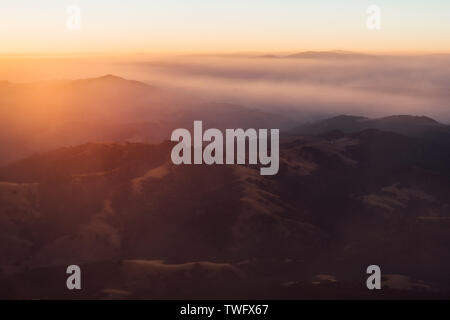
333,54
336,54
418,126
109,79
141,227
45,115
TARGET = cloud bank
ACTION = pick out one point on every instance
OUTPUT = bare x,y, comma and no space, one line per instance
369,86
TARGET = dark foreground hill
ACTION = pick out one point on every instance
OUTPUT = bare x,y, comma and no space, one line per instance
141,227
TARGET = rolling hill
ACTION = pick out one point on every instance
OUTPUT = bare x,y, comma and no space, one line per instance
144,228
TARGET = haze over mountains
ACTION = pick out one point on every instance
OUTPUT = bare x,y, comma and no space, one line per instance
305,89
221,91
86,178
319,85
108,109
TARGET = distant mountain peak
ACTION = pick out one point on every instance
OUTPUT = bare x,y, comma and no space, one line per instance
108,79
334,54
411,119
331,54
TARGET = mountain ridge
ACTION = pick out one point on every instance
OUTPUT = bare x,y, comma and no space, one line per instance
419,126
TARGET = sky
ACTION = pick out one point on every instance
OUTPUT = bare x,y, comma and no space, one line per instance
212,26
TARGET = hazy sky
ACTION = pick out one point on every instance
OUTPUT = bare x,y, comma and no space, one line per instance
30,26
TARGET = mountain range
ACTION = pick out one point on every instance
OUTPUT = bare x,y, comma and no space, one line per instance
332,54
350,192
418,126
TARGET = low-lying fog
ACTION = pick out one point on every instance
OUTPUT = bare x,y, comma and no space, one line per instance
308,88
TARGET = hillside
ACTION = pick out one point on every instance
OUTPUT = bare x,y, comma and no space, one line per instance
124,212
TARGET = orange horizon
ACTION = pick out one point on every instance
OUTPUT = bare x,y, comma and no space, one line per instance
131,54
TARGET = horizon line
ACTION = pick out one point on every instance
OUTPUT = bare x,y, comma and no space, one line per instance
209,53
